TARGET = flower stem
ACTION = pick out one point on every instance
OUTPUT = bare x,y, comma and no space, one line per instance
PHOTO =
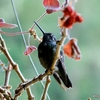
39,19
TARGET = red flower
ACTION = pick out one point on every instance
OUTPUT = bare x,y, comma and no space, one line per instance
51,5
3,24
68,11
69,18
72,50
78,18
29,50
70,21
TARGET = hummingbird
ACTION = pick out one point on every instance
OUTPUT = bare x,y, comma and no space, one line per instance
46,53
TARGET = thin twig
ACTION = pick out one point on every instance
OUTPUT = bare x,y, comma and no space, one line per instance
7,76
24,85
38,19
32,32
13,34
46,88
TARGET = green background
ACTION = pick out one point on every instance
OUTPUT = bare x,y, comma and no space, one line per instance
84,74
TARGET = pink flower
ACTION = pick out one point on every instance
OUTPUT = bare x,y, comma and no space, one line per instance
29,50
51,5
3,24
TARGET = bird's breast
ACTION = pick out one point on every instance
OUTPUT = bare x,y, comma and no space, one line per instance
46,53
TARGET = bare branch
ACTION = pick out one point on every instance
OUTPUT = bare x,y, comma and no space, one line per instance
7,75
15,66
46,88
59,45
1,96
39,19
5,94
2,90
24,85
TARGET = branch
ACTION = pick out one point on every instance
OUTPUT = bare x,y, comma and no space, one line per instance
57,55
1,96
7,75
33,32
4,94
15,66
24,85
46,88
39,19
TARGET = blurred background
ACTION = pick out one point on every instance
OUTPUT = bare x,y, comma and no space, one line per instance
84,74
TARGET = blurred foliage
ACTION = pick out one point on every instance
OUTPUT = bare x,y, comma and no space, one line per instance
84,74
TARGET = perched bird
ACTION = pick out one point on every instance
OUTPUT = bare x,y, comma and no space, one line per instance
46,53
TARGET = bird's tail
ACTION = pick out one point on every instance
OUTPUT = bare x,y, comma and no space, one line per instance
61,76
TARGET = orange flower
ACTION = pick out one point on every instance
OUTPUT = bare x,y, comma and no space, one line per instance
72,50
